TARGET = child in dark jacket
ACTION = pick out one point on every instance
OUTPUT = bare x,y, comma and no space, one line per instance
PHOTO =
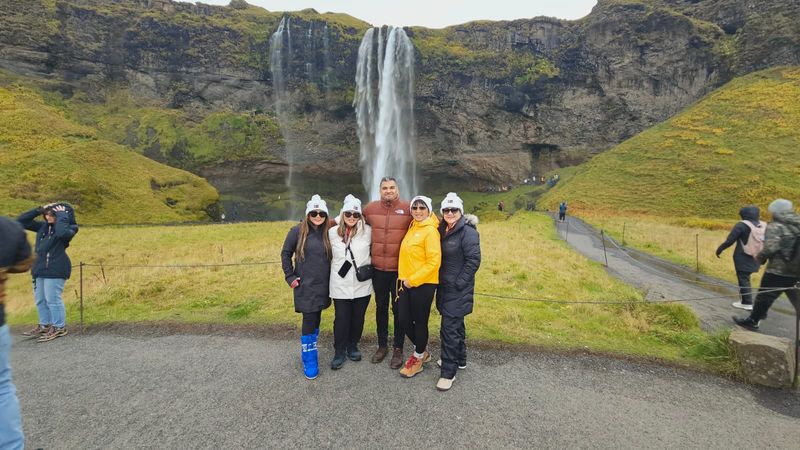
52,268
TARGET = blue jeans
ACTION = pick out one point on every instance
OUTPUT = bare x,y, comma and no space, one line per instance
11,436
47,293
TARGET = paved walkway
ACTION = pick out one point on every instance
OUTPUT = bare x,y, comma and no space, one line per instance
665,280
136,390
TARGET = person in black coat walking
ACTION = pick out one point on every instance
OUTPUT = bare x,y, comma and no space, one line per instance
461,258
52,268
308,273
744,264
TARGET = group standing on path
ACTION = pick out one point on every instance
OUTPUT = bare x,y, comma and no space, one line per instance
402,252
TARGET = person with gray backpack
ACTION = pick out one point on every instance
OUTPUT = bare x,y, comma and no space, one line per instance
781,252
748,235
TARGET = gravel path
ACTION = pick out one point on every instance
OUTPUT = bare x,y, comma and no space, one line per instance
135,390
665,280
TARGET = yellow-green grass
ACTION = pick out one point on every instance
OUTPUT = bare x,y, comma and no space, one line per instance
46,157
739,145
522,257
675,240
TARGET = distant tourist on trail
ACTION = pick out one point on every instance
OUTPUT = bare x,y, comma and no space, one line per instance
350,243
748,234
15,257
53,267
501,206
781,252
308,273
417,278
389,218
461,258
562,211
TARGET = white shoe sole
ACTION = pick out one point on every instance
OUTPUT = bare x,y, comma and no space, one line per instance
439,363
742,306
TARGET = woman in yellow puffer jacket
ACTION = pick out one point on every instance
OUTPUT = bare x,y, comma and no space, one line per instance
417,279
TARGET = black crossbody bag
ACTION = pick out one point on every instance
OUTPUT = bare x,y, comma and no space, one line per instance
363,273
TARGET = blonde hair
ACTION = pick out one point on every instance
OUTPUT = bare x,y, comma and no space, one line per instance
343,226
303,236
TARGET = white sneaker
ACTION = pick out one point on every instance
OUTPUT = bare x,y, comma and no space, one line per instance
444,384
439,363
741,305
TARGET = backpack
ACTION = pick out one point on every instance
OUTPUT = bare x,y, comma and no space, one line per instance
755,242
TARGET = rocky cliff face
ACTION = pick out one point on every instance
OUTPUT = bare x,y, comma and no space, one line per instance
495,101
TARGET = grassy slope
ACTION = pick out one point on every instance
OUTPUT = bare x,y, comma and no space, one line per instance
521,257
46,157
738,145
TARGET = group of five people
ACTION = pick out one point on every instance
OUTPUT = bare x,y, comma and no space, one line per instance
403,253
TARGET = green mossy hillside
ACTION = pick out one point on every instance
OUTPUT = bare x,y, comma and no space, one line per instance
45,157
739,145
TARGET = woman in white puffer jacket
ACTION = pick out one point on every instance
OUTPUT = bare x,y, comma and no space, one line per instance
350,296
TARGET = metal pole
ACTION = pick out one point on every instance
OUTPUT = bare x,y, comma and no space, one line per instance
697,251
623,233
566,239
81,297
603,239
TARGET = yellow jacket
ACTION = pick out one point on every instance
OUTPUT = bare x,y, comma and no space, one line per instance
421,253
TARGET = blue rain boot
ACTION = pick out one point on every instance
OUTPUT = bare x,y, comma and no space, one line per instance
310,366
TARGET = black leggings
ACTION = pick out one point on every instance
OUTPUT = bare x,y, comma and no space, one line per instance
349,322
414,308
745,289
311,322
773,283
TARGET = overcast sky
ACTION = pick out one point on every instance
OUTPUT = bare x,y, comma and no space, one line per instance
432,13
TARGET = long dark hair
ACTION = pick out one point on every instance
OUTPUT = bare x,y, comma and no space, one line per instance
305,227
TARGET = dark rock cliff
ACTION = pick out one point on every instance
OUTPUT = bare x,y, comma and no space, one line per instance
495,101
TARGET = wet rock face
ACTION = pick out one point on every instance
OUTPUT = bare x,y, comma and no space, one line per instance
496,101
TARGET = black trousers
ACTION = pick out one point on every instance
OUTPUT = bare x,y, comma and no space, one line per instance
348,324
384,285
454,345
414,308
745,289
764,300
311,322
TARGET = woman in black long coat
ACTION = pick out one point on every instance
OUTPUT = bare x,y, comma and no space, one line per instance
308,273
461,258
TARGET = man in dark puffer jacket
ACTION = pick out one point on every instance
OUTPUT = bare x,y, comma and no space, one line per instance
744,264
53,267
461,258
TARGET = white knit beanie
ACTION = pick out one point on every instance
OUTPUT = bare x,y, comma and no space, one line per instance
427,200
780,206
317,203
351,204
452,200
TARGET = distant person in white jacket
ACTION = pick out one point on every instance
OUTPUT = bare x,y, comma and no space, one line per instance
350,242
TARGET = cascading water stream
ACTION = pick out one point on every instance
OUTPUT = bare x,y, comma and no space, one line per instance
386,126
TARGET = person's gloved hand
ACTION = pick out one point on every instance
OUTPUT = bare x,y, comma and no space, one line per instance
295,283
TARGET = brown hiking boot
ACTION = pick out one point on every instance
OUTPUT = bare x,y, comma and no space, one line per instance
380,353
397,359
413,366
36,331
52,333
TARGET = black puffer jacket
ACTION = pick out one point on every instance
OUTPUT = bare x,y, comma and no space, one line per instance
461,258
739,235
312,294
51,243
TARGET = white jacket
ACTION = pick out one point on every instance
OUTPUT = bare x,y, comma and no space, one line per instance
349,287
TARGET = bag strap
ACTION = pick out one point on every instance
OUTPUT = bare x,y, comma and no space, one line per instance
352,256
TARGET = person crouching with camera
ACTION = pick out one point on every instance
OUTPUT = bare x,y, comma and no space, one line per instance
308,275
52,268
349,287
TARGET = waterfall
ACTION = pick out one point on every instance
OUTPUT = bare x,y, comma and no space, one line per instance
386,126
310,52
